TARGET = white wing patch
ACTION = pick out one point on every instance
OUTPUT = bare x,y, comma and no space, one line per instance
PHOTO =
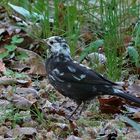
117,90
77,78
56,71
51,77
71,69
61,74
82,76
75,62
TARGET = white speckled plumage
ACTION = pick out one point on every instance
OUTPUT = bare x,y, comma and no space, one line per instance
75,80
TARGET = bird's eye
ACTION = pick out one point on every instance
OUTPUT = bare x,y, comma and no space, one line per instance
64,46
51,42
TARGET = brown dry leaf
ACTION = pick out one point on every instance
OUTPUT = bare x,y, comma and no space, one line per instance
21,132
74,128
62,126
87,36
72,137
59,128
134,89
4,103
47,104
25,92
35,62
110,105
1,138
19,66
27,131
11,81
2,50
2,30
133,136
2,66
3,130
50,135
21,102
136,115
127,40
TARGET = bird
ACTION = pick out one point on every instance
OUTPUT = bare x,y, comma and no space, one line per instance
77,81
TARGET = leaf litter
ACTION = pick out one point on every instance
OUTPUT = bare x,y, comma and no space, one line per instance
31,109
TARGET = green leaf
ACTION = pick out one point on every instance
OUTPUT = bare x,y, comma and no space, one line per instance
22,55
4,54
132,123
9,73
92,47
22,11
98,43
134,55
16,39
10,48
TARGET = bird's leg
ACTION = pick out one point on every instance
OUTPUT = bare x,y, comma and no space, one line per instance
74,111
81,109
63,103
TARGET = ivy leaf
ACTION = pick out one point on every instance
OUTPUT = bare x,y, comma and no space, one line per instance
92,47
4,54
10,48
16,39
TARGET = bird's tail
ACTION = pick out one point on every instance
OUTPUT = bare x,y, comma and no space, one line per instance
126,95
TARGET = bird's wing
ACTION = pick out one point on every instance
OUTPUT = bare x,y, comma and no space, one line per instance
74,72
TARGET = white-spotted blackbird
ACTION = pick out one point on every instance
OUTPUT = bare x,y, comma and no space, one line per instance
75,80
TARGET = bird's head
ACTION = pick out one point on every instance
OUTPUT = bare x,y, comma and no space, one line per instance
57,45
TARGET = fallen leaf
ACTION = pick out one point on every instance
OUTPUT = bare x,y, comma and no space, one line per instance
134,89
74,128
2,30
110,105
63,126
3,130
136,115
4,103
35,62
133,136
24,92
21,102
27,131
50,135
21,132
72,137
11,81
2,66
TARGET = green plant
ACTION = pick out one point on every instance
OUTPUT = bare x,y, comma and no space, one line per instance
10,73
44,23
10,49
105,18
13,115
39,115
93,47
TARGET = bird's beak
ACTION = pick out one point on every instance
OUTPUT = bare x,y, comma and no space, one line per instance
46,41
